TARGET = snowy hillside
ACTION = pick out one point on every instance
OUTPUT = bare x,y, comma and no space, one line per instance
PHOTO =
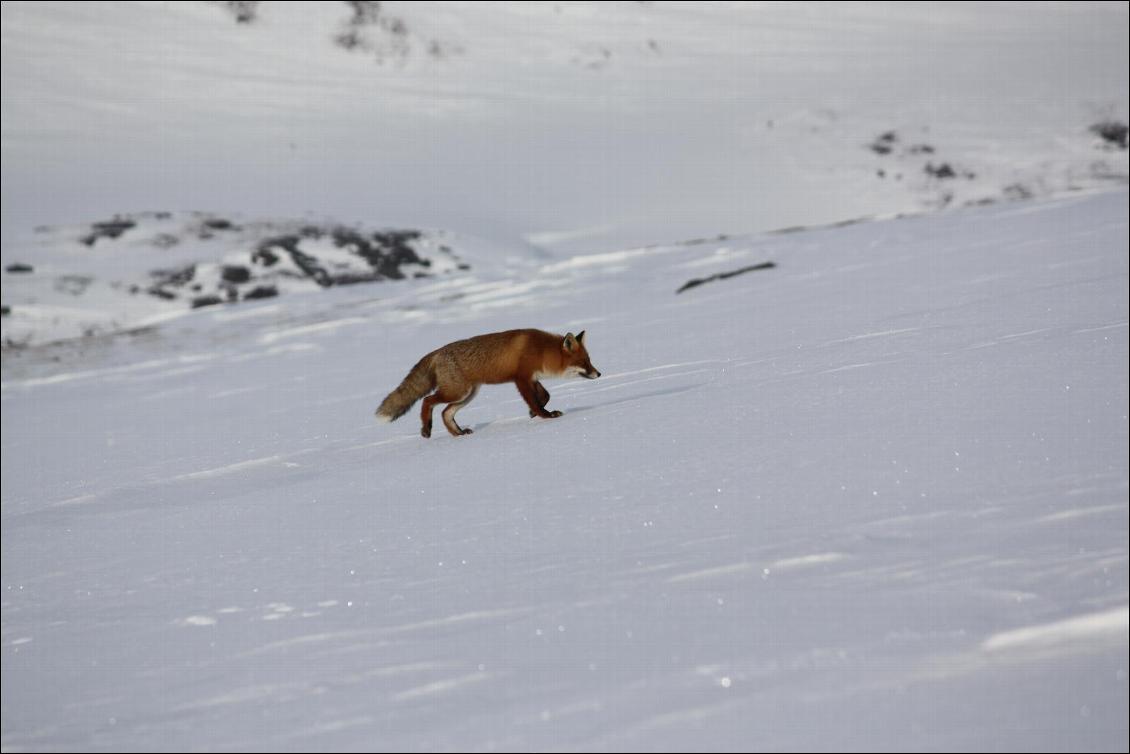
872,498
135,270
579,126
537,128
855,475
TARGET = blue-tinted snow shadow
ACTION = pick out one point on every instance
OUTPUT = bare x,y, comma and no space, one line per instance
606,404
639,397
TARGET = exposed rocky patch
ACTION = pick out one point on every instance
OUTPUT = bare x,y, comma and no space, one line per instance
372,29
235,273
884,143
1114,134
945,171
261,291
889,144
325,255
384,254
211,300
149,263
942,180
244,11
695,282
107,229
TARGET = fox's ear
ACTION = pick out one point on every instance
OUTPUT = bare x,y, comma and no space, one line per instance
570,342
581,337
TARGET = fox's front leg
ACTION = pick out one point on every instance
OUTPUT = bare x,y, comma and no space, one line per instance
530,394
541,395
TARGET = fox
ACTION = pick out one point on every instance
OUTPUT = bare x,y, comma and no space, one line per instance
456,371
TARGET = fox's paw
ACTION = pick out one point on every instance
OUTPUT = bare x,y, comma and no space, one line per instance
555,414
425,432
466,431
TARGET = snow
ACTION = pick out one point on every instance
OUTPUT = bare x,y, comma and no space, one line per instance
581,127
873,497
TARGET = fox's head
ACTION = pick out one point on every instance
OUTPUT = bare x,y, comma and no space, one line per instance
576,356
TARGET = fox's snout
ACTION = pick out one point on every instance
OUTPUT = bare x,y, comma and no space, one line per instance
591,374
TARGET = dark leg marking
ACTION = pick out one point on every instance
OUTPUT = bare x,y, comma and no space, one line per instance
541,394
526,388
426,414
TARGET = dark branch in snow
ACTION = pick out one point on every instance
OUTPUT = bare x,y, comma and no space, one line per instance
695,282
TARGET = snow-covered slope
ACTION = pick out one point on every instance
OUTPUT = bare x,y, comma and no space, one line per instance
582,126
861,486
545,128
872,498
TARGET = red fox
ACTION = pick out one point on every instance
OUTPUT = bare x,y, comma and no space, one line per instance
457,370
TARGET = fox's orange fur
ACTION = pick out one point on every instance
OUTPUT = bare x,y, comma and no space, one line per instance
456,371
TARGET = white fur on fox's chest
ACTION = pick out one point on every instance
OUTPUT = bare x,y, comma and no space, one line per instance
566,372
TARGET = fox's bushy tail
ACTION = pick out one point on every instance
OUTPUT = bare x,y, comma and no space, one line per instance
419,382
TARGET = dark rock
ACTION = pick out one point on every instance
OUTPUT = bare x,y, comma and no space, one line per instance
264,256
19,267
269,248
884,143
235,273
941,172
109,229
200,301
352,278
219,223
1112,132
243,10
261,291
694,282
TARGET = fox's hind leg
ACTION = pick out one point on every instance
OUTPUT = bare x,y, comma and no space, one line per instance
541,395
426,414
452,408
